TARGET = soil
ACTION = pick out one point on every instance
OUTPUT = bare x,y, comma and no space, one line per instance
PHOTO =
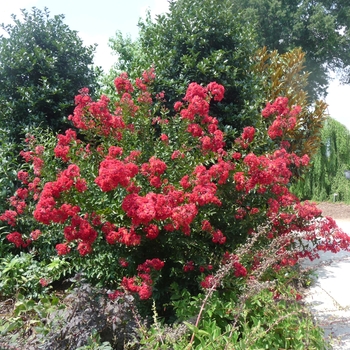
338,211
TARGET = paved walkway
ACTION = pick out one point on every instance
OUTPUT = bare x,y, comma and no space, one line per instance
329,297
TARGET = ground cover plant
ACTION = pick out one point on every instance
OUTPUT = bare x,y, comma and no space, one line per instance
159,209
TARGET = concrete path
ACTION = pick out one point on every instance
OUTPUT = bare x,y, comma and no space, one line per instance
329,297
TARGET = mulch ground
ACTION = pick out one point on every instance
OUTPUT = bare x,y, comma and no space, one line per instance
338,211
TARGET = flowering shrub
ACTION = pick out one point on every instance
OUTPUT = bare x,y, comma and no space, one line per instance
166,194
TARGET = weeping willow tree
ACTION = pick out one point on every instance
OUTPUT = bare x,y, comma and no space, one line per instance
326,179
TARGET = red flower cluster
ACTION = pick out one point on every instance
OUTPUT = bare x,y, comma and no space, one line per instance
216,90
23,176
246,138
46,211
62,249
279,106
198,97
209,282
17,239
152,231
95,116
114,172
62,148
285,119
217,235
10,217
142,284
182,217
153,170
81,230
121,235
35,234
189,266
240,270
123,84
32,156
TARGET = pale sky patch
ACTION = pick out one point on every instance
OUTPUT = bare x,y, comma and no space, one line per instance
338,100
9,7
157,7
103,54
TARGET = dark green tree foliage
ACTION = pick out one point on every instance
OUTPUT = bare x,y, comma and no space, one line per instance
130,58
43,64
198,41
319,27
8,169
326,175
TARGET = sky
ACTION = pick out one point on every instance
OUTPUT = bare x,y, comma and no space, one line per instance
98,22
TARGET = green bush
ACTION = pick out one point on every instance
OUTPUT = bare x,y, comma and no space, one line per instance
38,79
154,201
326,175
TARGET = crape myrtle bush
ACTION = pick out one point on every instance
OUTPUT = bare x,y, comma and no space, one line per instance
163,195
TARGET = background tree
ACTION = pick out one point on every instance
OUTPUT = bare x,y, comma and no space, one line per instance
320,28
283,76
326,175
207,41
43,64
197,40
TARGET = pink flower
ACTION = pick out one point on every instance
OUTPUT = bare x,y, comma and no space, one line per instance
209,282
218,237
148,75
140,85
236,155
9,216
123,84
43,282
185,183
152,231
177,154
164,138
123,262
81,185
35,234
206,226
115,151
62,249
84,248
115,295
240,270
248,133
154,167
155,181
189,266
145,291
178,105
17,240
23,176
216,90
